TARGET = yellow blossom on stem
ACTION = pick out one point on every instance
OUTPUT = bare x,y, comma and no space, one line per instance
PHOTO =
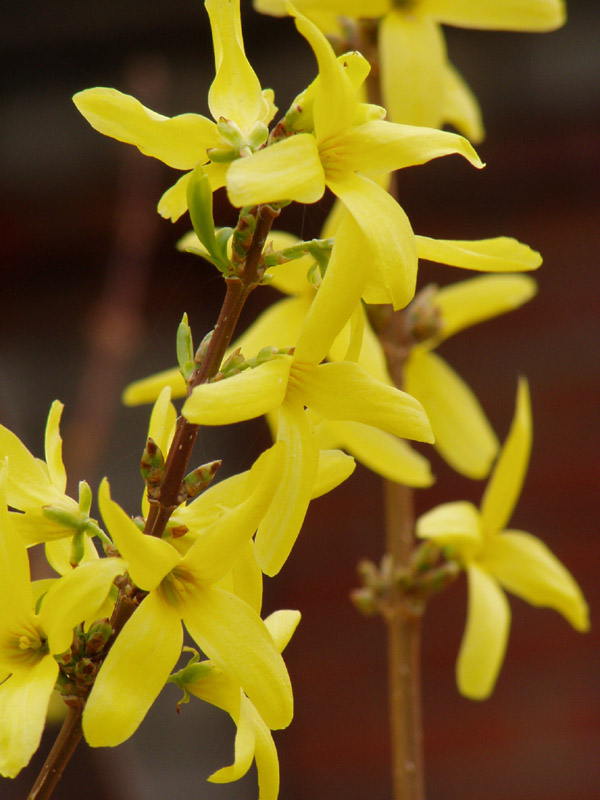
419,84
496,559
37,488
253,739
30,638
240,109
183,589
338,155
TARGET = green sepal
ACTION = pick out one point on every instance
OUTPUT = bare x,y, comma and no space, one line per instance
85,497
185,349
77,548
152,464
200,204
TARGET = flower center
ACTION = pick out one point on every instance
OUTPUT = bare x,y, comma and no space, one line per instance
176,585
24,647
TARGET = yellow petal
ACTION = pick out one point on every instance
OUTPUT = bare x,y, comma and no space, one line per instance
162,420
149,646
76,597
28,484
335,97
53,444
281,625
281,524
413,57
463,435
215,551
344,390
235,93
146,390
289,278
278,326
509,15
334,468
506,481
501,254
267,763
457,524
381,146
173,204
526,567
272,174
236,639
249,394
24,698
389,241
217,500
58,553
244,747
484,642
381,452
15,588
460,107
338,295
181,142
149,559
244,579
468,302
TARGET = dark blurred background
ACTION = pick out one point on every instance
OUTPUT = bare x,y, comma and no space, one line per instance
93,290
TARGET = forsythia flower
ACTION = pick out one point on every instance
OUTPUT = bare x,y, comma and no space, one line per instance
183,588
337,156
241,110
463,435
253,740
29,639
497,559
288,384
37,488
419,85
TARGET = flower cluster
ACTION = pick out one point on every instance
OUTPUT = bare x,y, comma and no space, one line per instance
313,363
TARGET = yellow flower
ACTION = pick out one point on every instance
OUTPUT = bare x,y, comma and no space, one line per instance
29,639
497,559
419,84
37,488
184,588
463,435
287,384
337,156
241,110
253,740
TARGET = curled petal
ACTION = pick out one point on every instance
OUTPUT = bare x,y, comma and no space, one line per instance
281,524
506,481
509,15
181,142
381,452
273,174
244,746
267,763
53,448
455,524
27,484
235,93
334,468
501,254
173,204
248,394
345,390
460,106
484,642
281,625
162,420
149,646
235,638
526,567
413,57
468,302
463,435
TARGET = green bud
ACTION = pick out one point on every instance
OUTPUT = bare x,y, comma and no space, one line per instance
202,350
423,317
231,133
185,349
200,479
152,465
77,548
233,364
97,636
85,497
200,204
258,135
222,155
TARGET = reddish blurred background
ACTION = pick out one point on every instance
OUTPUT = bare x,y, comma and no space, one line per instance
79,230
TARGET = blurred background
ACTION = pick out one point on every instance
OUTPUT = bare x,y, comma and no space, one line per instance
93,290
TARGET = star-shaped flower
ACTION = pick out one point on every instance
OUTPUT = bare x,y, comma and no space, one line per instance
30,638
419,84
184,589
241,110
497,559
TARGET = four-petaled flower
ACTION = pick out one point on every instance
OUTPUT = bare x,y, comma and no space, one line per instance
497,559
